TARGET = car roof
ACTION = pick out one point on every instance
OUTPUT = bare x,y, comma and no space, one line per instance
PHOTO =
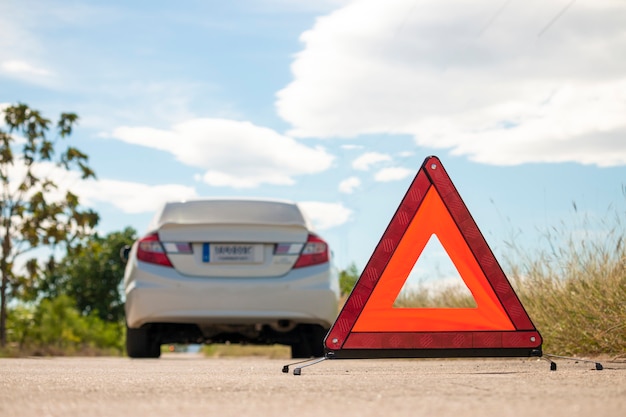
230,211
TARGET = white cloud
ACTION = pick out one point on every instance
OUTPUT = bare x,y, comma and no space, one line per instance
392,174
351,147
23,69
348,185
326,215
21,54
222,179
300,5
131,197
232,153
365,161
502,87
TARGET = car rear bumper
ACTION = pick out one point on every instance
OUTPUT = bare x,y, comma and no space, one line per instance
158,294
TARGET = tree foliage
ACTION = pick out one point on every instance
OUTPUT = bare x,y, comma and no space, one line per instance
34,212
348,278
91,274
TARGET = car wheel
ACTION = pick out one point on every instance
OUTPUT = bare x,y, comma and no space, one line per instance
140,343
311,343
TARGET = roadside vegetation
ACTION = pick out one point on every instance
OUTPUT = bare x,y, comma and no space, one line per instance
68,301
77,307
56,327
575,291
72,303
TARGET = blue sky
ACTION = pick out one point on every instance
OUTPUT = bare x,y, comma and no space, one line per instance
334,104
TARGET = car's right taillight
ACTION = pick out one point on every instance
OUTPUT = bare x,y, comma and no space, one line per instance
150,249
315,252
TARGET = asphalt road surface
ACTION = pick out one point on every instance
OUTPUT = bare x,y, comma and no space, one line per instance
187,386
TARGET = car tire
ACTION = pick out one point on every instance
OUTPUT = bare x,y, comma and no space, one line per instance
140,343
311,343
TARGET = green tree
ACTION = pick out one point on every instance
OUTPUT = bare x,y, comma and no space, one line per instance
347,278
91,274
33,213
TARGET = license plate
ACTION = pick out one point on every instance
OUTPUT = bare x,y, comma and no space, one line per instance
239,253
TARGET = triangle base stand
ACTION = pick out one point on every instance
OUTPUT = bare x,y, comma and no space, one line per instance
548,357
331,355
308,362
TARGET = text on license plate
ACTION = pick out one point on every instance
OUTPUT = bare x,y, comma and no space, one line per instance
240,253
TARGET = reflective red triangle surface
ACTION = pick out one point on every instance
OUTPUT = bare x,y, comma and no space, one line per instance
369,325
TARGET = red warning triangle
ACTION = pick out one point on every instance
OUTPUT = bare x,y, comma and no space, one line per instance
369,325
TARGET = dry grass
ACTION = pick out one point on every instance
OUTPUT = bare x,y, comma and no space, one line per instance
448,297
237,350
575,292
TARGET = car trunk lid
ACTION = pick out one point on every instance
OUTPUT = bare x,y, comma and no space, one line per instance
232,239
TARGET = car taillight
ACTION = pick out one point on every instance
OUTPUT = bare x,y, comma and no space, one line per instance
314,252
149,249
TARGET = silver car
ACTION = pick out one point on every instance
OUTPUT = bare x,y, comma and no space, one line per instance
229,270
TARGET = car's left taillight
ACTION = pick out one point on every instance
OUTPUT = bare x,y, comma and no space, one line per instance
315,252
150,249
